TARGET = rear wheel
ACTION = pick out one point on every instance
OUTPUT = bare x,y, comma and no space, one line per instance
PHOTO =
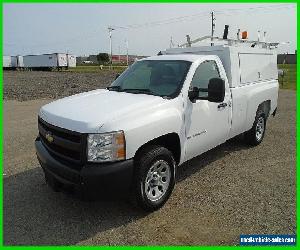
256,134
154,177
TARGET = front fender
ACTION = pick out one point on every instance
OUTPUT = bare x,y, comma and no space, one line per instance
143,126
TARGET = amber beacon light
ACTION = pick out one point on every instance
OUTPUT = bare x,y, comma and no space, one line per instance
244,34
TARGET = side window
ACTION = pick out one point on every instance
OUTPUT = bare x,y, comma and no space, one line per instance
203,74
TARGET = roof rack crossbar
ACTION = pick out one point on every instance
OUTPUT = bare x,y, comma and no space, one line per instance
231,42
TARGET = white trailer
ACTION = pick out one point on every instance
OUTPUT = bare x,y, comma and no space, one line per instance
6,62
46,61
20,62
14,62
10,62
71,61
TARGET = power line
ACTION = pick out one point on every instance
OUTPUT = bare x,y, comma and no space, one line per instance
203,14
270,7
163,22
199,15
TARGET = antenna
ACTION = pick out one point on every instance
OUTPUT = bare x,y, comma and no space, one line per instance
225,34
238,34
171,42
258,35
188,41
264,37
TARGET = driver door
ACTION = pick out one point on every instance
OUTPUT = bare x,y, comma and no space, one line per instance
207,123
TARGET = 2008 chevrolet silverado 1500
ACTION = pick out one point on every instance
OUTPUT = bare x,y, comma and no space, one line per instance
161,112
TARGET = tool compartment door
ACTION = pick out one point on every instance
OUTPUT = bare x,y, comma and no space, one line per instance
256,67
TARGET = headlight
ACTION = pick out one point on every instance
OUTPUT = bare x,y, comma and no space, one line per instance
106,147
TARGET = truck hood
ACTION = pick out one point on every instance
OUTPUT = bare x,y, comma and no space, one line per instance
88,112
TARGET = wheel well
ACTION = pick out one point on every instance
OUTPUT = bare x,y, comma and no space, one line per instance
265,107
170,141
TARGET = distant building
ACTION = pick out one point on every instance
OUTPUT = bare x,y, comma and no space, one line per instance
116,59
81,59
123,58
287,58
93,58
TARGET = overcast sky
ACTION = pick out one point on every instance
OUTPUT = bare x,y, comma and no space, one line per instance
82,28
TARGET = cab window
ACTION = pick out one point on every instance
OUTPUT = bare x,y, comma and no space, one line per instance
203,74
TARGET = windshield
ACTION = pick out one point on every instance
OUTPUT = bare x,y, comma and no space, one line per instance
154,77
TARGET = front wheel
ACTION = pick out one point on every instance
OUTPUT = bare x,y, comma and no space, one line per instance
154,177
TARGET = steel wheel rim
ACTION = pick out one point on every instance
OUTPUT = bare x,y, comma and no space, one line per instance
157,180
260,127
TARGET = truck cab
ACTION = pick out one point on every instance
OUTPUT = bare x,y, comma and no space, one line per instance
159,113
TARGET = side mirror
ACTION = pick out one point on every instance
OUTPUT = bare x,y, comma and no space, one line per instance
117,75
193,94
216,90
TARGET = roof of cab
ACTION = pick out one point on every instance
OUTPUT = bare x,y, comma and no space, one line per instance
181,57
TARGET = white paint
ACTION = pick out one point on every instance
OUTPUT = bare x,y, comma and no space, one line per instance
71,61
6,62
257,67
87,112
205,116
200,126
10,61
238,61
20,61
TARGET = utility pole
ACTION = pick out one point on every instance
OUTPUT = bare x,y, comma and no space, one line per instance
110,29
127,52
213,19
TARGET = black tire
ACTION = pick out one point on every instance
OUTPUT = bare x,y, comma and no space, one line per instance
148,159
251,136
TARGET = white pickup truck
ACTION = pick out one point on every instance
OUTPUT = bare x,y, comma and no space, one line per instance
161,112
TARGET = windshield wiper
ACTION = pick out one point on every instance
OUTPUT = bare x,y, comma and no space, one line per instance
142,91
134,90
117,88
138,90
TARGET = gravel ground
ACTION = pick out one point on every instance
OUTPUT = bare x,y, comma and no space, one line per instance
30,85
228,191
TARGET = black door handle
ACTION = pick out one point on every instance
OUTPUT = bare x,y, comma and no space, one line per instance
222,105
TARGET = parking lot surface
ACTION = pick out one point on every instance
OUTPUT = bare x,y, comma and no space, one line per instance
230,190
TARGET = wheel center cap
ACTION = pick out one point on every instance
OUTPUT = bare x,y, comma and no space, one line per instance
154,179
155,175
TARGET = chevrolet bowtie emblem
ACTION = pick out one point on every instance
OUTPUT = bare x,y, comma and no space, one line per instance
49,137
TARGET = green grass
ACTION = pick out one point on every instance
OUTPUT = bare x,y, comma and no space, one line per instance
289,81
